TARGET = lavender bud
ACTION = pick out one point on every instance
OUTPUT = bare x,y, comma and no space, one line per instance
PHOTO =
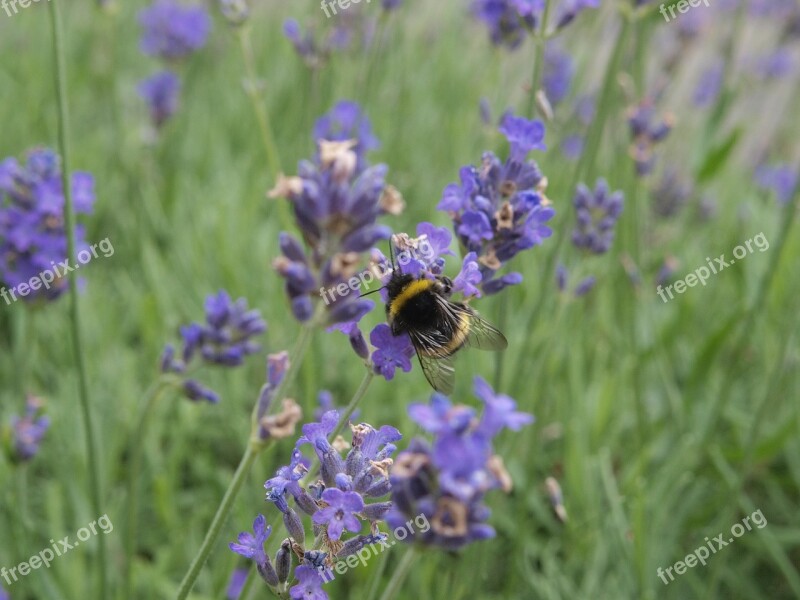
294,526
283,561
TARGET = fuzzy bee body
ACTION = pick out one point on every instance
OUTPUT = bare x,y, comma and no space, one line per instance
438,327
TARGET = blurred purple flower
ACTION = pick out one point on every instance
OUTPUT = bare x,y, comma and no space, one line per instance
596,213
559,70
28,431
236,584
781,179
509,21
161,92
710,84
585,286
32,233
172,30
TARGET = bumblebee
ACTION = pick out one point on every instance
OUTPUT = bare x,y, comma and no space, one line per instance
438,327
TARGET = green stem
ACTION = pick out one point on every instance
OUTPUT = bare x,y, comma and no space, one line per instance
351,407
400,574
376,578
253,92
77,340
135,448
254,446
538,58
219,520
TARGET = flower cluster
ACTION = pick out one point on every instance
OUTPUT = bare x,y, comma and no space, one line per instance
27,432
499,209
597,213
646,131
510,21
447,480
557,75
32,232
346,496
171,31
225,339
337,198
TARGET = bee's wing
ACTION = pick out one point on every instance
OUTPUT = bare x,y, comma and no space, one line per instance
439,372
482,335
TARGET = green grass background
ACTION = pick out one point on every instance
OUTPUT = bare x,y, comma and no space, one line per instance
664,423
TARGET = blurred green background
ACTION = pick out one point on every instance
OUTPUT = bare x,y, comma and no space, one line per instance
664,423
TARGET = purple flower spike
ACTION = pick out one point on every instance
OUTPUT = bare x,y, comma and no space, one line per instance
596,213
340,512
33,241
391,351
235,585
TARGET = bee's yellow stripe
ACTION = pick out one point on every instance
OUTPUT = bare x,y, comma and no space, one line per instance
412,289
458,339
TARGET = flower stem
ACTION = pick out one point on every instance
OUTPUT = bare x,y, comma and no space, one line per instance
77,340
251,87
400,574
538,59
135,450
254,446
213,532
351,407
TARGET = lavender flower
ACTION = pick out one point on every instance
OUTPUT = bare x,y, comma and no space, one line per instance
340,512
509,21
597,213
252,546
27,432
559,70
781,179
585,286
346,121
161,92
499,209
316,50
337,199
446,482
646,131
4,594
172,30
225,340
309,585
32,232
347,494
